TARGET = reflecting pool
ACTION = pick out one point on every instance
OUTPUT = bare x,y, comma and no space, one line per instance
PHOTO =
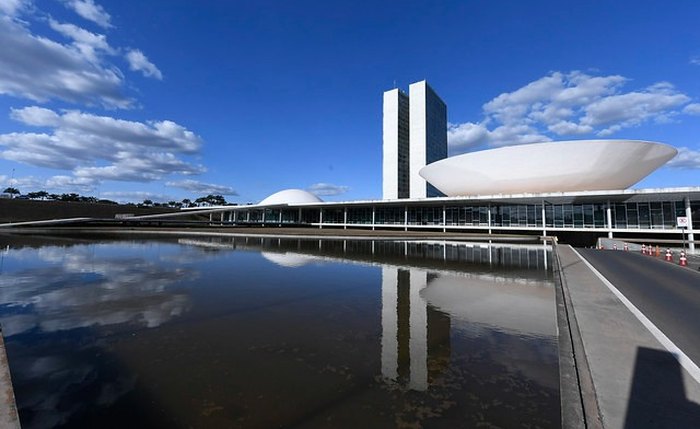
264,332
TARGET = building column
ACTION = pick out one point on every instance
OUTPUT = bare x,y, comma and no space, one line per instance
544,221
691,232
247,216
489,217
405,218
280,217
373,223
444,219
299,220
320,218
608,212
345,217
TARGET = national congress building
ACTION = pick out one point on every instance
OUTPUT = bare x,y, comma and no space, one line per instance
577,190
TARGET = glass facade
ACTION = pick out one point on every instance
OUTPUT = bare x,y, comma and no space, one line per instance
436,137
389,215
628,215
359,215
656,215
403,146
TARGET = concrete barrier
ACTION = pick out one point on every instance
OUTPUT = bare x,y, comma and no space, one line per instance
579,408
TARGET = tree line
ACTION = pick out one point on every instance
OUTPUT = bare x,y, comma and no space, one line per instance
209,200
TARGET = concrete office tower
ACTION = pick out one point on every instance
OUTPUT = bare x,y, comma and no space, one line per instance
414,135
428,136
395,148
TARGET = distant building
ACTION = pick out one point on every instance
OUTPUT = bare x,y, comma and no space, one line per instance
414,135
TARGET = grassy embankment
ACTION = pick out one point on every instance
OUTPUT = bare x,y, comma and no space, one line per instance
27,210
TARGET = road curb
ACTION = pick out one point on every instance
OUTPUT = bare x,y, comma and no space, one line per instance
579,404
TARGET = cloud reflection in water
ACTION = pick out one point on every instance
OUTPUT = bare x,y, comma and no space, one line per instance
78,289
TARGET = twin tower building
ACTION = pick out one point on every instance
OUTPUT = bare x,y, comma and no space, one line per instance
414,135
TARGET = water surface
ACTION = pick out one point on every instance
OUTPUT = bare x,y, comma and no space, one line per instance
251,332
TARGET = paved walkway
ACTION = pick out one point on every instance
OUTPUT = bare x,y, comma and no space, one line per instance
637,382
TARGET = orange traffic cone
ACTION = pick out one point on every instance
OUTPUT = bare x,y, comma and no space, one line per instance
669,256
644,249
683,262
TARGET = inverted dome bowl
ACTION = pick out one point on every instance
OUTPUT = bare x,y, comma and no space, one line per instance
579,165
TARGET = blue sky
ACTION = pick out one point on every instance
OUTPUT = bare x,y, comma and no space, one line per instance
177,99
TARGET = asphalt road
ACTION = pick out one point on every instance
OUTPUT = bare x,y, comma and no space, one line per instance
667,294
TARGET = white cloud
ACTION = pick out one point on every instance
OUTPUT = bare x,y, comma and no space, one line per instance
138,62
80,184
569,128
88,43
327,189
36,116
31,183
692,109
24,184
568,104
13,7
91,11
143,167
41,69
100,147
136,196
77,70
695,60
467,134
201,187
86,129
41,150
633,108
686,158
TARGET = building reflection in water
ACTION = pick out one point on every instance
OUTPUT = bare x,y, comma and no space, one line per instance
433,255
415,337
467,328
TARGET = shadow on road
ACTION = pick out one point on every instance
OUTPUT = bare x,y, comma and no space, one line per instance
657,398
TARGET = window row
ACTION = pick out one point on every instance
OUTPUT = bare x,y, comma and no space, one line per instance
644,215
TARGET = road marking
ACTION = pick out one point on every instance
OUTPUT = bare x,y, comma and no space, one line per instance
682,358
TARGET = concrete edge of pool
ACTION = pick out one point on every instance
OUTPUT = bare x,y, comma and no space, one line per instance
578,400
9,418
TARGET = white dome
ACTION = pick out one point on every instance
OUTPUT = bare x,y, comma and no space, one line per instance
290,196
579,165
